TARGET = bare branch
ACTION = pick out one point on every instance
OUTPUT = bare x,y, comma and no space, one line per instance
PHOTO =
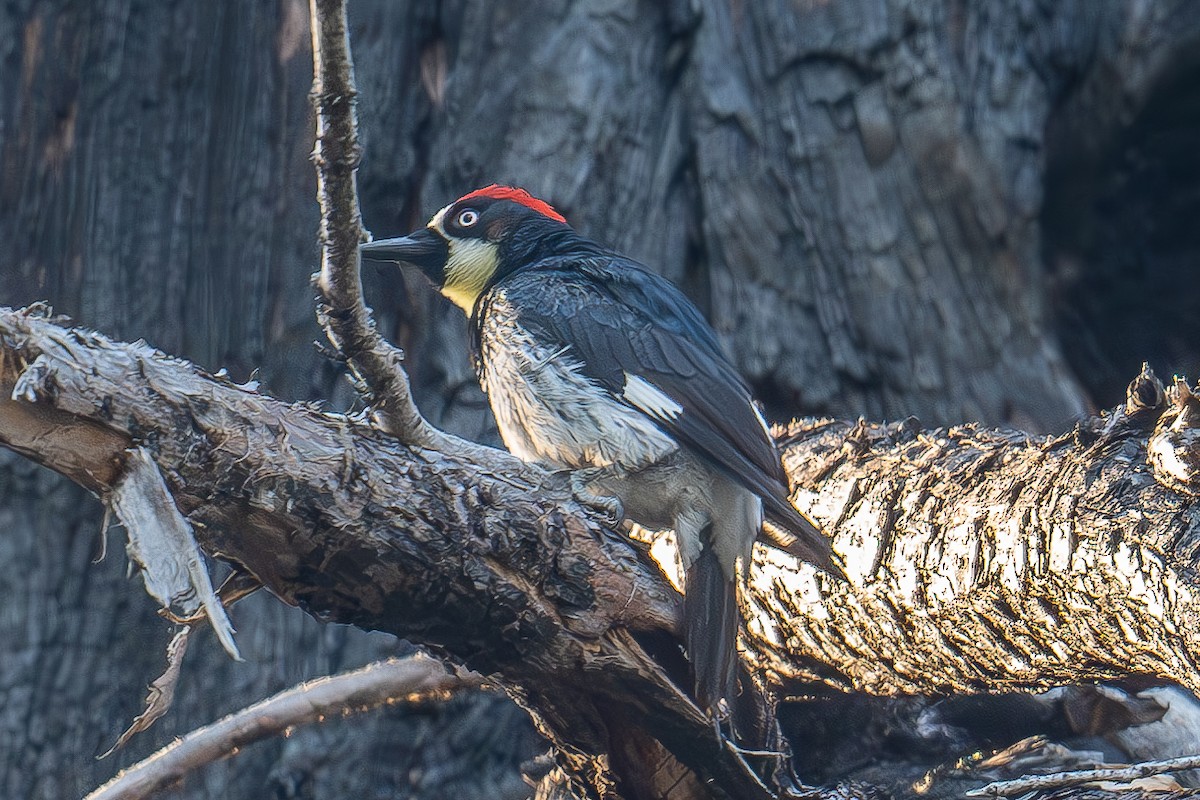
980,559
1059,780
382,683
343,313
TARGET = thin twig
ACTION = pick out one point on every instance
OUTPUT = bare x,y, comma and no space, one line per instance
383,682
343,312
1057,780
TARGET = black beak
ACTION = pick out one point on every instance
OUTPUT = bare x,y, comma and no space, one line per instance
423,248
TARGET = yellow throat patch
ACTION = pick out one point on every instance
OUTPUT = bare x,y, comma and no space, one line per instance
471,265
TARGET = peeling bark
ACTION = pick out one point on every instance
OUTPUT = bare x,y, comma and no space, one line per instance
482,560
980,559
984,560
162,545
866,251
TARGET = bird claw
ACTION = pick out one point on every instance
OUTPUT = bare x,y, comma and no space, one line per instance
610,508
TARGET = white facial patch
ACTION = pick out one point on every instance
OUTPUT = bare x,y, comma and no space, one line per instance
649,398
437,222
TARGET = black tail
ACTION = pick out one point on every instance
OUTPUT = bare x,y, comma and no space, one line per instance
790,531
711,614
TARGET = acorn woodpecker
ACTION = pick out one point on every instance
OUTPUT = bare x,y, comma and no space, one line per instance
593,363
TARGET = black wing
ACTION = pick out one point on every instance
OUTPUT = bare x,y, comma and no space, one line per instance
619,319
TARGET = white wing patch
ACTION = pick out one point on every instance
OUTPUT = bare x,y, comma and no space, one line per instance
649,398
550,413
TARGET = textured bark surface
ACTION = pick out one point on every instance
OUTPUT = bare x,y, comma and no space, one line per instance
852,189
484,560
1120,188
982,558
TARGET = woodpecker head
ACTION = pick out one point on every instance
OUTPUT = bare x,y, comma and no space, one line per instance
473,242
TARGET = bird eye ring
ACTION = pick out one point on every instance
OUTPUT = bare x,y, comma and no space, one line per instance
467,217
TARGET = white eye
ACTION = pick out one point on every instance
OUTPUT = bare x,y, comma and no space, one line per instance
467,217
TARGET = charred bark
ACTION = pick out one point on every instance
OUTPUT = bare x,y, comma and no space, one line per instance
872,248
1014,568
496,568
986,558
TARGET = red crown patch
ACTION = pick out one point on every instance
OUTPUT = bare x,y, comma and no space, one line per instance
497,192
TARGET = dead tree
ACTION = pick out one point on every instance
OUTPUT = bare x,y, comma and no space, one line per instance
399,528
1004,561
897,145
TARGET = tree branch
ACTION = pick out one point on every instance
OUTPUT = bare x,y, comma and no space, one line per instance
480,559
986,560
364,689
342,311
980,559
1058,780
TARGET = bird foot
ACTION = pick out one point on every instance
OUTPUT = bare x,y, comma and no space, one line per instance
610,508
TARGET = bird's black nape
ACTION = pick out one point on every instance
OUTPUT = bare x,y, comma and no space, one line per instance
533,238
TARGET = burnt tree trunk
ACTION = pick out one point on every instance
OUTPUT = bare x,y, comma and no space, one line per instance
852,190
978,560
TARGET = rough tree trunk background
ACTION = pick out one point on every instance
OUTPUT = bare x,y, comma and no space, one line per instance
957,210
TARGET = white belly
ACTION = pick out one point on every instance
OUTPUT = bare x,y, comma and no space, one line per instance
549,413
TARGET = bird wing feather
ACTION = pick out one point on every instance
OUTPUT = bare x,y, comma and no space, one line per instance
621,320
